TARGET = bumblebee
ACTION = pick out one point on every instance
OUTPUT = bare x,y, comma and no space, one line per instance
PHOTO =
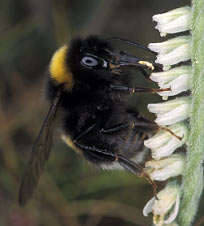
88,90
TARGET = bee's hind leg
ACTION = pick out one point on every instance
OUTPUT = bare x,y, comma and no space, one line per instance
136,169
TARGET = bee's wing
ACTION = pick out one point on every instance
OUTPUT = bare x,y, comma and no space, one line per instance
39,155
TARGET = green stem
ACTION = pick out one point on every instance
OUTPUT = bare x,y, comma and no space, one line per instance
193,177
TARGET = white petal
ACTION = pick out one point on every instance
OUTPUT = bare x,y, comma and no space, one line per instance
178,85
180,24
172,15
167,106
169,45
180,54
148,207
167,76
174,21
172,111
178,114
173,214
158,140
170,170
166,199
165,168
163,143
167,204
167,149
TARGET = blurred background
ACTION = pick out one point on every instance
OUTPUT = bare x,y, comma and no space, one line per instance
71,191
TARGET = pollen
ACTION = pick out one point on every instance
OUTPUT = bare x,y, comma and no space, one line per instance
148,64
59,70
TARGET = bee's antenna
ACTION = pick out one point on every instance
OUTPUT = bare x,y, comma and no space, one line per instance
130,43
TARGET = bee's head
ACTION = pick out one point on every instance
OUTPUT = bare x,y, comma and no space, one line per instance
90,59
84,60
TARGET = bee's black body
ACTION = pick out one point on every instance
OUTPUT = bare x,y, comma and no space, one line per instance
89,89
92,102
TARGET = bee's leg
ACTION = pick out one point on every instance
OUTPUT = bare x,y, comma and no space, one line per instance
154,127
169,131
111,130
130,165
85,132
143,126
148,90
129,90
136,124
104,154
95,154
100,155
115,129
136,169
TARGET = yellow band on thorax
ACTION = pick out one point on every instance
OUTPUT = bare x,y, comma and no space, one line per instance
67,139
59,70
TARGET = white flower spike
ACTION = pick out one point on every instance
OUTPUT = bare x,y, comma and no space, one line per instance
165,209
174,21
165,168
163,143
177,79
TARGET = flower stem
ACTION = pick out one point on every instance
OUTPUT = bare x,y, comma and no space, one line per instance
193,176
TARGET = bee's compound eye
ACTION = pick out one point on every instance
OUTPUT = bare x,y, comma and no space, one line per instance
89,61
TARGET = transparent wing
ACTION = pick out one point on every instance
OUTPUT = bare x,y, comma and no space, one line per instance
39,155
